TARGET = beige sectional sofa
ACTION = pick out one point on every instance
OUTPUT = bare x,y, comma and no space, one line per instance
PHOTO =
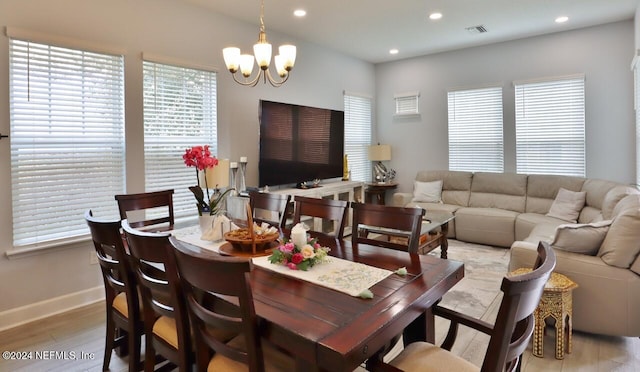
599,250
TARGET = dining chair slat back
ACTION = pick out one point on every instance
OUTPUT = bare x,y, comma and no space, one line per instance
265,205
334,211
165,314
124,327
509,335
368,217
228,278
158,202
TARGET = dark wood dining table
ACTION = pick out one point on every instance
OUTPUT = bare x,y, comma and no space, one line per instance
327,330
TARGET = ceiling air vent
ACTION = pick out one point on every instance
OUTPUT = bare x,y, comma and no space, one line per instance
480,29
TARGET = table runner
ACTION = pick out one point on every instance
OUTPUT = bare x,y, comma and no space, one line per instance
349,277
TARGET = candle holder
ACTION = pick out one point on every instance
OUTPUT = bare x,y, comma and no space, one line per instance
232,178
243,170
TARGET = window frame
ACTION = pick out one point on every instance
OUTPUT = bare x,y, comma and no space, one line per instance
358,135
547,144
463,108
46,110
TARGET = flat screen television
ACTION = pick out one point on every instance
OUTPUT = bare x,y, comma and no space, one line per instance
299,143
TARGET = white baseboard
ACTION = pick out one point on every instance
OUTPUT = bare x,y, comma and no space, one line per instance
25,314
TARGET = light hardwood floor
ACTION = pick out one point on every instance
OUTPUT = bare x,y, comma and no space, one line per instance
82,330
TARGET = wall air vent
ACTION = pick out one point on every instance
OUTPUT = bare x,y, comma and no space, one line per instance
480,29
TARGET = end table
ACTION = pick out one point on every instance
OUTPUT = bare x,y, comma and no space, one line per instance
556,302
376,192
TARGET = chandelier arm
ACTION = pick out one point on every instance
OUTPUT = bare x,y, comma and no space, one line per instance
273,82
251,83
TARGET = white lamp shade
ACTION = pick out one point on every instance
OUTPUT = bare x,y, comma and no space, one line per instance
288,52
231,58
246,64
380,152
216,177
279,61
262,52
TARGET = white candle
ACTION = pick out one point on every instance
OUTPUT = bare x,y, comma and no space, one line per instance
243,159
299,235
233,165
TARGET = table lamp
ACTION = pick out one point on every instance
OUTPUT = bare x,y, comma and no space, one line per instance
380,153
216,177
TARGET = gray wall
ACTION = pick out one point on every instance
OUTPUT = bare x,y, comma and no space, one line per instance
170,29
602,53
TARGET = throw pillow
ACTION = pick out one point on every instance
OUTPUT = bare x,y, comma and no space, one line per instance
581,238
427,192
567,205
622,244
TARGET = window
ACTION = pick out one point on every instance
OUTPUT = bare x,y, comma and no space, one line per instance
357,135
550,134
179,112
67,140
475,130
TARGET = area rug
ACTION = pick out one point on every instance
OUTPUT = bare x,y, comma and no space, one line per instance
484,268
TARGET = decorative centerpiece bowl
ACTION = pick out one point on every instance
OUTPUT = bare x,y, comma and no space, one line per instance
243,240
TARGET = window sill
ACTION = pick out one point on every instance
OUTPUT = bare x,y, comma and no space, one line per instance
47,247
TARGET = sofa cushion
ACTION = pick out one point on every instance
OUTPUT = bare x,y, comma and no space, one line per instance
490,226
567,205
499,190
542,190
596,191
581,238
456,185
622,244
635,267
628,202
428,192
542,232
613,197
526,222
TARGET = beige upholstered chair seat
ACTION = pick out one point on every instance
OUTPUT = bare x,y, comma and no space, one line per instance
425,357
165,328
120,304
275,360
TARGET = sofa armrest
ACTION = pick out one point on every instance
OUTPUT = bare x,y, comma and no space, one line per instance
401,199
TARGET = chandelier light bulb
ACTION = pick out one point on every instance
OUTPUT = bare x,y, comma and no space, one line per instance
231,58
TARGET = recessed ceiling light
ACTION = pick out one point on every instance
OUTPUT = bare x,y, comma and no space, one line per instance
299,12
562,19
435,16
393,51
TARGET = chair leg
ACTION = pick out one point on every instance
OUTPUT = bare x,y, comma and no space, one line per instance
149,353
122,350
134,348
110,335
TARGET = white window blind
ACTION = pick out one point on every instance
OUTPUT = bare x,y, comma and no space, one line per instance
357,135
67,140
550,133
407,103
475,130
179,112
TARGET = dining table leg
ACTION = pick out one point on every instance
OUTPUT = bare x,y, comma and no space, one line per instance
421,329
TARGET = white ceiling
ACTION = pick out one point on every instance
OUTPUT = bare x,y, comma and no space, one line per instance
368,29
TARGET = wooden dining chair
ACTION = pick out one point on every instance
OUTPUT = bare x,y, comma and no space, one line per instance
157,202
264,204
334,211
227,277
510,334
165,314
369,218
124,328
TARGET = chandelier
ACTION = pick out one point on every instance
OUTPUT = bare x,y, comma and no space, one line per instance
262,51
